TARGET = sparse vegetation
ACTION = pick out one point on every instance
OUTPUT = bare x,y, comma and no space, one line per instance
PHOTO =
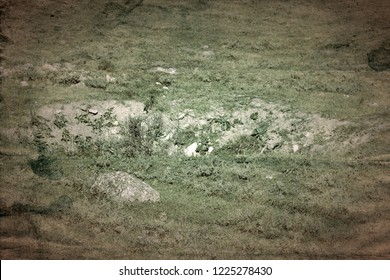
140,137
296,122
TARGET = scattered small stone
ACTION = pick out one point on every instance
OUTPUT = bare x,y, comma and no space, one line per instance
49,67
181,116
24,84
171,71
295,148
190,151
119,229
208,53
93,111
110,79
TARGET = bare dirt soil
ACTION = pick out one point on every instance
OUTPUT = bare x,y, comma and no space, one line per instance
286,103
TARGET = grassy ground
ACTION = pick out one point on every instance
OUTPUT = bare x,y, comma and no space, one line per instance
253,79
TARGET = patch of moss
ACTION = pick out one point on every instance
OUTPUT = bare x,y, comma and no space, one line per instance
46,167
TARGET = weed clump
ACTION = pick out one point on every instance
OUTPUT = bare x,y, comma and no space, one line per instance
246,144
140,137
46,167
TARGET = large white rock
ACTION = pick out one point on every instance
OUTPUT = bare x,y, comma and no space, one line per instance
122,187
295,148
190,151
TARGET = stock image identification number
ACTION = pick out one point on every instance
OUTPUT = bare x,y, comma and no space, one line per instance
242,270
